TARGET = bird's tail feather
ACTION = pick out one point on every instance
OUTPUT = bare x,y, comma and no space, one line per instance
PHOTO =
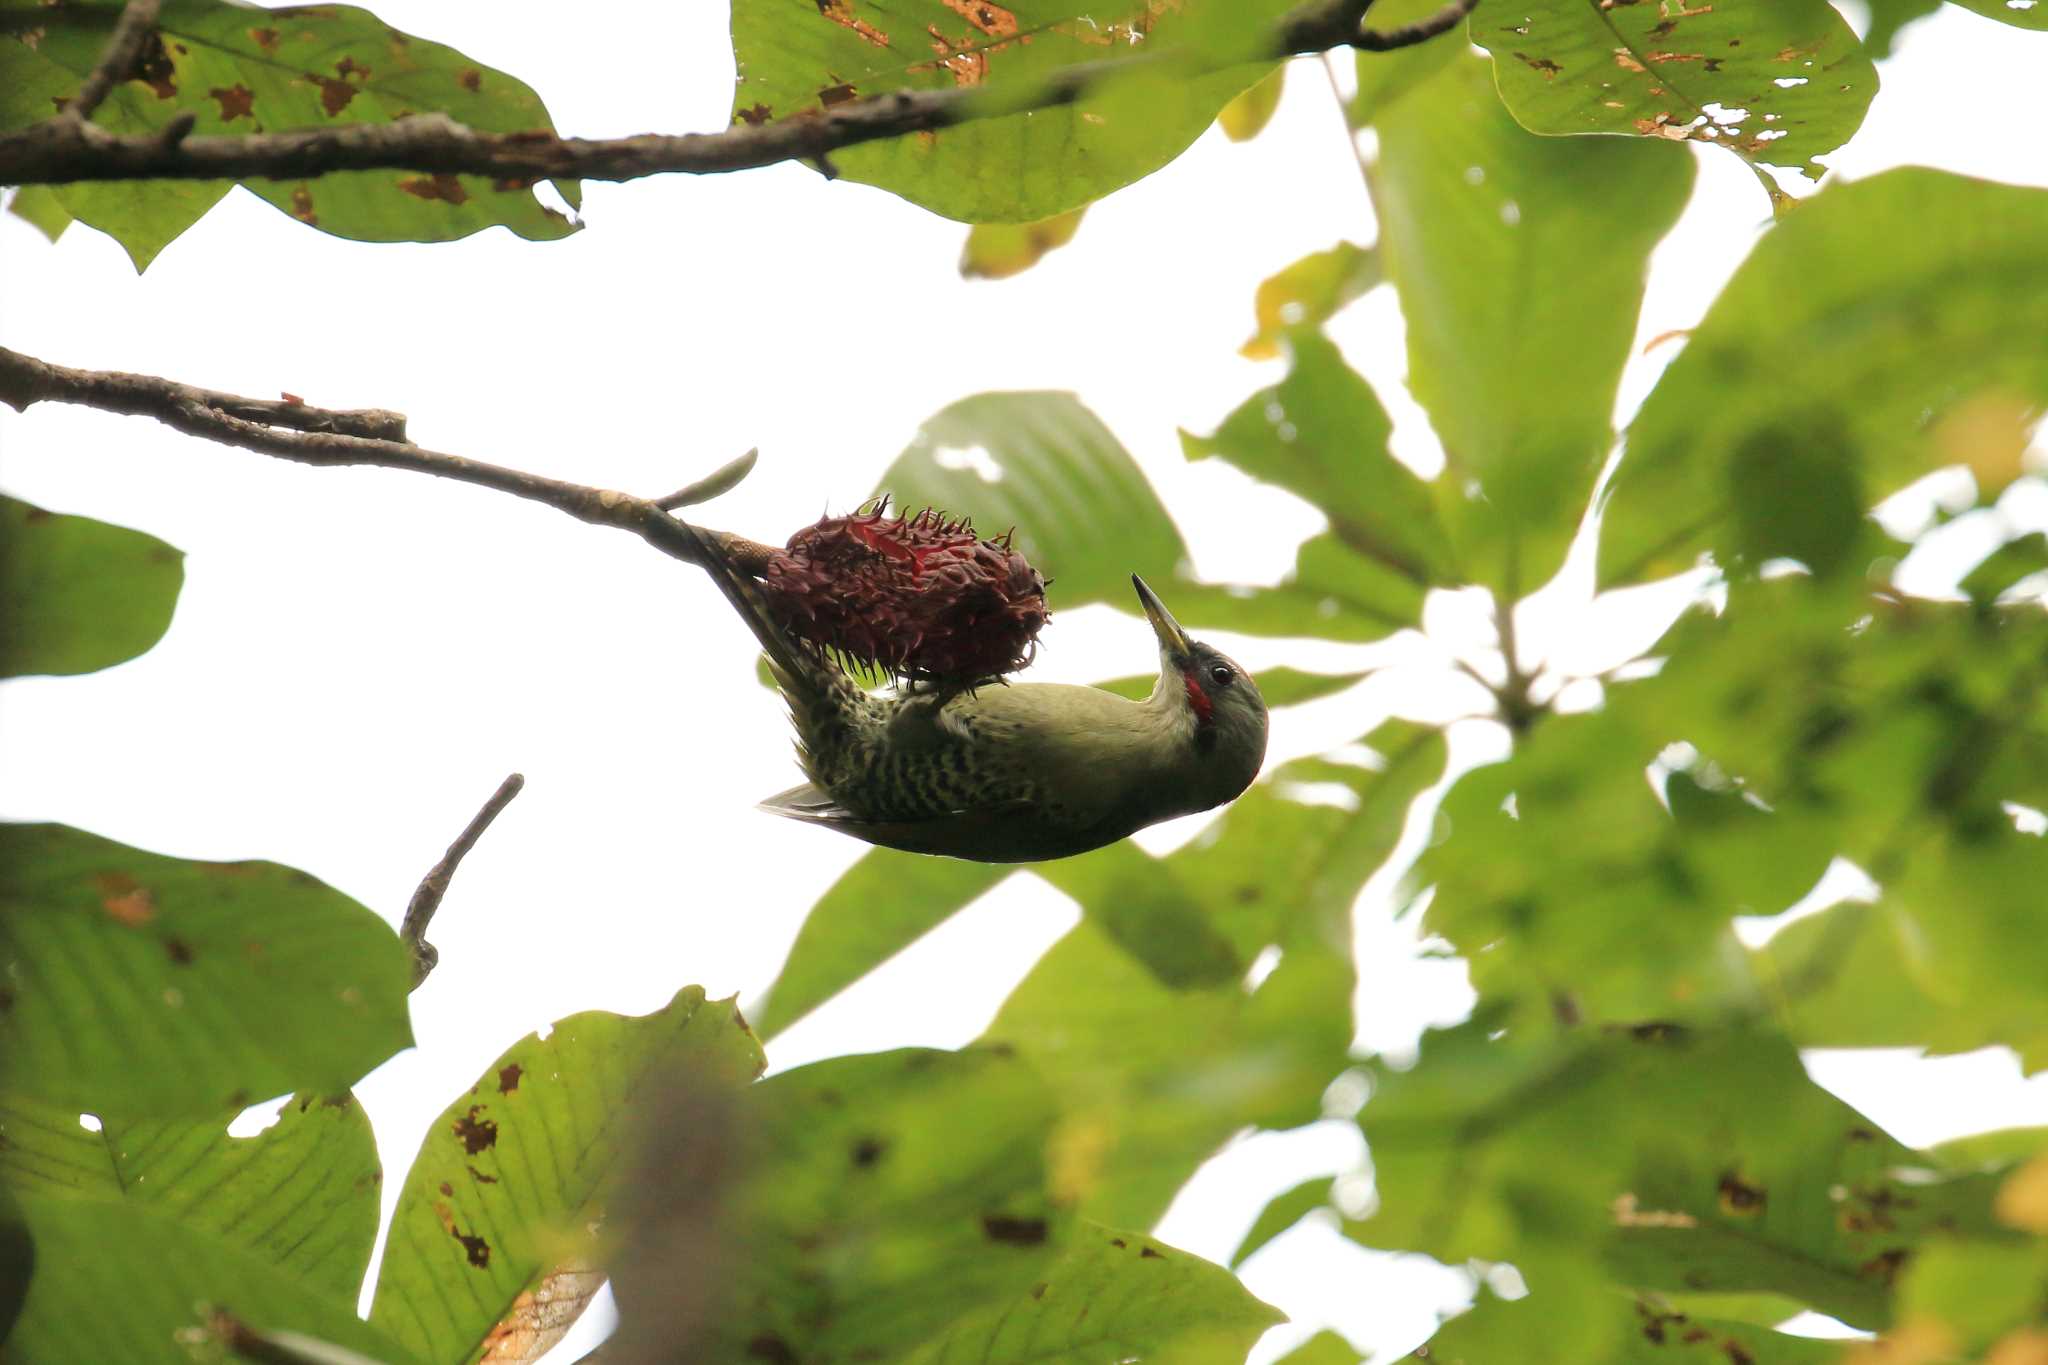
807,680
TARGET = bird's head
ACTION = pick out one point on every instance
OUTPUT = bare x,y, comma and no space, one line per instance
1212,699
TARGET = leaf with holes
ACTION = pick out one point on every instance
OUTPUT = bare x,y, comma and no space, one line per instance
1521,286
1609,1330
1086,518
77,594
140,985
302,1195
889,1196
2018,13
1777,82
512,1174
1815,386
1114,1296
797,60
238,69
119,1282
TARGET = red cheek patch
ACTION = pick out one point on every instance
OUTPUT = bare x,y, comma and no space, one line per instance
1205,710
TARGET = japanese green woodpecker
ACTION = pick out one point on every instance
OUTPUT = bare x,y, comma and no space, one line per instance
1009,773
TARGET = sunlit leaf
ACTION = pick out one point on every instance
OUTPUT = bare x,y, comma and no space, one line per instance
139,985
77,594
1113,1296
1520,285
511,1174
1777,82
996,251
794,61
1807,353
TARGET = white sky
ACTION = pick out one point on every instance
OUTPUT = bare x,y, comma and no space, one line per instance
360,655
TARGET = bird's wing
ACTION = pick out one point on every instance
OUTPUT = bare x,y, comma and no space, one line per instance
956,834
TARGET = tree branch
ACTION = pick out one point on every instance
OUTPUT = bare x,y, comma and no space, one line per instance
123,49
68,151
419,912
321,436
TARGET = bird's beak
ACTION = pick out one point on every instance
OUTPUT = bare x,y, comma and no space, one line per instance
1172,639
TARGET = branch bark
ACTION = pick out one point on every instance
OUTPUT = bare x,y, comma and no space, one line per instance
322,436
419,912
67,151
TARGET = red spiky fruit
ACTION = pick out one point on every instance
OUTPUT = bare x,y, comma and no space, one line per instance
919,596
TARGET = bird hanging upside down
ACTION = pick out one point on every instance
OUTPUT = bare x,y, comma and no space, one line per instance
1008,773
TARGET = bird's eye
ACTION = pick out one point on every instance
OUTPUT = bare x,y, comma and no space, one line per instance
1222,675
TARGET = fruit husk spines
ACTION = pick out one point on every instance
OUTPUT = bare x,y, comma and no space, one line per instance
921,597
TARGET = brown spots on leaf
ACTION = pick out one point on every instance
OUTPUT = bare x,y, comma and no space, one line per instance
1013,1231
993,20
442,186
841,13
867,1151
1549,68
508,1078
838,94
475,1248
470,79
153,68
447,1190
126,901
476,1134
512,184
335,93
265,38
1885,1266
6,1000
541,1316
479,1177
179,951
1038,1290
771,1348
1661,57
1712,65
235,101
1625,59
1738,1197
967,64
754,115
349,66
1150,1254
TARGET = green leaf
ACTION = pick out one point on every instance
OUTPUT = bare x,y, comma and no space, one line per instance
1697,1161
1245,117
1807,350
1777,82
1384,78
301,1195
1280,686
1282,1212
139,985
238,70
1521,287
1309,293
1322,435
2006,12
77,594
513,1170
1612,1331
1152,1079
1977,1291
1888,17
1324,1348
881,905
38,206
996,251
117,1283
889,1196
1143,907
2005,566
1113,1296
1087,519
794,61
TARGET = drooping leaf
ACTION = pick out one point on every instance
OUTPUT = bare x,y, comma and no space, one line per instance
515,1170
117,1282
881,905
1777,82
996,251
1888,17
1807,355
1321,434
1489,235
38,206
139,985
890,1197
1113,1296
794,61
1309,293
1086,517
1245,117
77,594
301,1196
236,69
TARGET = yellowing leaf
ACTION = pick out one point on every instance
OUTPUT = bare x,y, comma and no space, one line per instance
1245,117
996,251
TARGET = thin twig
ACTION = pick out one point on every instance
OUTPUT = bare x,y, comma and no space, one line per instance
281,1348
419,913
116,63
66,151
24,380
